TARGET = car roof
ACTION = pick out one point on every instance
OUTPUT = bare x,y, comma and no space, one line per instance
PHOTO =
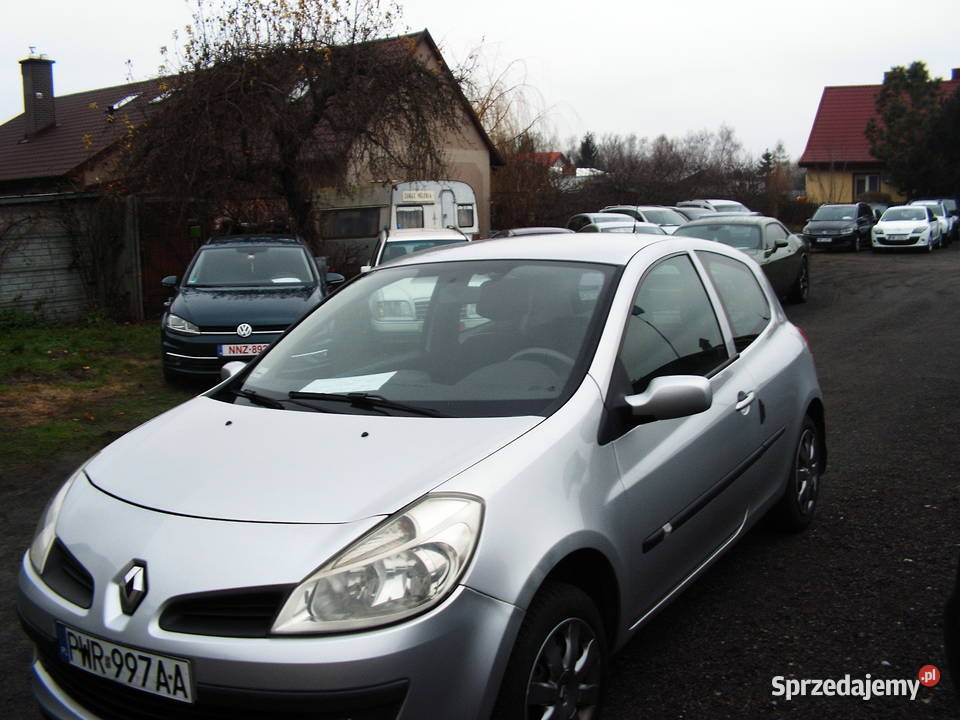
625,223
611,208
605,248
409,235
254,239
731,219
601,215
545,230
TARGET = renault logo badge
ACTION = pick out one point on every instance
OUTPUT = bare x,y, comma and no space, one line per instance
244,330
133,585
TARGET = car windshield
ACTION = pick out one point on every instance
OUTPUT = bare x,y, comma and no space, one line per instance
835,212
904,213
742,237
253,265
664,216
399,249
462,339
637,228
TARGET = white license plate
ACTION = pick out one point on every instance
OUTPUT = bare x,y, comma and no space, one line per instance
152,673
242,350
824,240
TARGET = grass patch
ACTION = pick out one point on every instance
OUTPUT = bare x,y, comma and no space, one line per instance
69,389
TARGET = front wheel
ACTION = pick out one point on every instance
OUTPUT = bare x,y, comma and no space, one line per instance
794,511
800,290
558,666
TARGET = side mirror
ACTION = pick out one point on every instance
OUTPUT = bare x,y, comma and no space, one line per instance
672,396
169,281
335,278
231,368
780,243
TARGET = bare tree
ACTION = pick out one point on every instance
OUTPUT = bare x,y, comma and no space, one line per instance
275,98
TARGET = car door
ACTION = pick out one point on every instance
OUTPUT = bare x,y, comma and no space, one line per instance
781,264
680,499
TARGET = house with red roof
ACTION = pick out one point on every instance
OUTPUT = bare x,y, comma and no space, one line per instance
837,158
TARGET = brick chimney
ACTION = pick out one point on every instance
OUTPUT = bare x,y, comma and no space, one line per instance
38,103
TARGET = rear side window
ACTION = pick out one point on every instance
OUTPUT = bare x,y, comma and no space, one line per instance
672,328
410,216
743,300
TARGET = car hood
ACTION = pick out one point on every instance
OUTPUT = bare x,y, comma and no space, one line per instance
208,307
828,226
900,226
216,460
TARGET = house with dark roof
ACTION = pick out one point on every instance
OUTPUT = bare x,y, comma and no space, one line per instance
837,157
59,156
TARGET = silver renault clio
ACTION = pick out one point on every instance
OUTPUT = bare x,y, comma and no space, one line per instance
451,491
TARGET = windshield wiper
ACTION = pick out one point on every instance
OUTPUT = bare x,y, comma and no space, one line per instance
365,400
258,399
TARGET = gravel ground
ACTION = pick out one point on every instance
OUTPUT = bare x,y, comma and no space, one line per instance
861,592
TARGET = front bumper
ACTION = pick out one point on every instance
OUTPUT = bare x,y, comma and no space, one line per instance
200,355
900,241
443,664
825,241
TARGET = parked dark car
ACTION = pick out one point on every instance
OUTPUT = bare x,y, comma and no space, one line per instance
840,225
781,254
239,294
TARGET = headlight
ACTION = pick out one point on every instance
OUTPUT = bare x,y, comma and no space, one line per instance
178,324
47,527
920,228
848,229
403,566
878,231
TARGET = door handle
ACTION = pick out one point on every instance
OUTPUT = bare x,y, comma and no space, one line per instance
743,401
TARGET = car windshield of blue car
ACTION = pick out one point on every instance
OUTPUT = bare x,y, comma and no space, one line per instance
835,212
742,237
462,339
904,213
251,266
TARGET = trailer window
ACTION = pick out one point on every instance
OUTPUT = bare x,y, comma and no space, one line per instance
464,216
409,216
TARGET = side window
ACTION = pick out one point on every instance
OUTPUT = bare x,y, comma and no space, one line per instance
672,328
743,300
772,233
464,216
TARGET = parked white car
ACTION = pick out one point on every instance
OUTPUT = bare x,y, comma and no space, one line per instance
667,218
625,226
948,222
907,226
727,206
392,244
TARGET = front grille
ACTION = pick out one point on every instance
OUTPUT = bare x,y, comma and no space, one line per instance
64,574
233,613
112,701
232,329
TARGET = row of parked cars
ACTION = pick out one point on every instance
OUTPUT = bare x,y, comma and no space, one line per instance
923,224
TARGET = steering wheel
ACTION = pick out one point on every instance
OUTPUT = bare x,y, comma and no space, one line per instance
553,357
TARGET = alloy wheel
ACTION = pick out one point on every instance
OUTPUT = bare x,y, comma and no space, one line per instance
565,681
807,470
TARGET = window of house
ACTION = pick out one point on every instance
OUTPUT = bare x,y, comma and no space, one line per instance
865,183
410,216
350,223
743,300
672,328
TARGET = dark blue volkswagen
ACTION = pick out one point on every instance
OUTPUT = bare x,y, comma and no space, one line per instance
240,293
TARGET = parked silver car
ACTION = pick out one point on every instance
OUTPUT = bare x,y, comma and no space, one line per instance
462,518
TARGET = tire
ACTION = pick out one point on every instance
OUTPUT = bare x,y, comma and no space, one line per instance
855,245
558,667
794,511
800,290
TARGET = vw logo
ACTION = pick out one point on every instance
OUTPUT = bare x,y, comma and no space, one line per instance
133,585
244,330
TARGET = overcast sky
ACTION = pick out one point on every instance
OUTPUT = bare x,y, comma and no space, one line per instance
607,66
